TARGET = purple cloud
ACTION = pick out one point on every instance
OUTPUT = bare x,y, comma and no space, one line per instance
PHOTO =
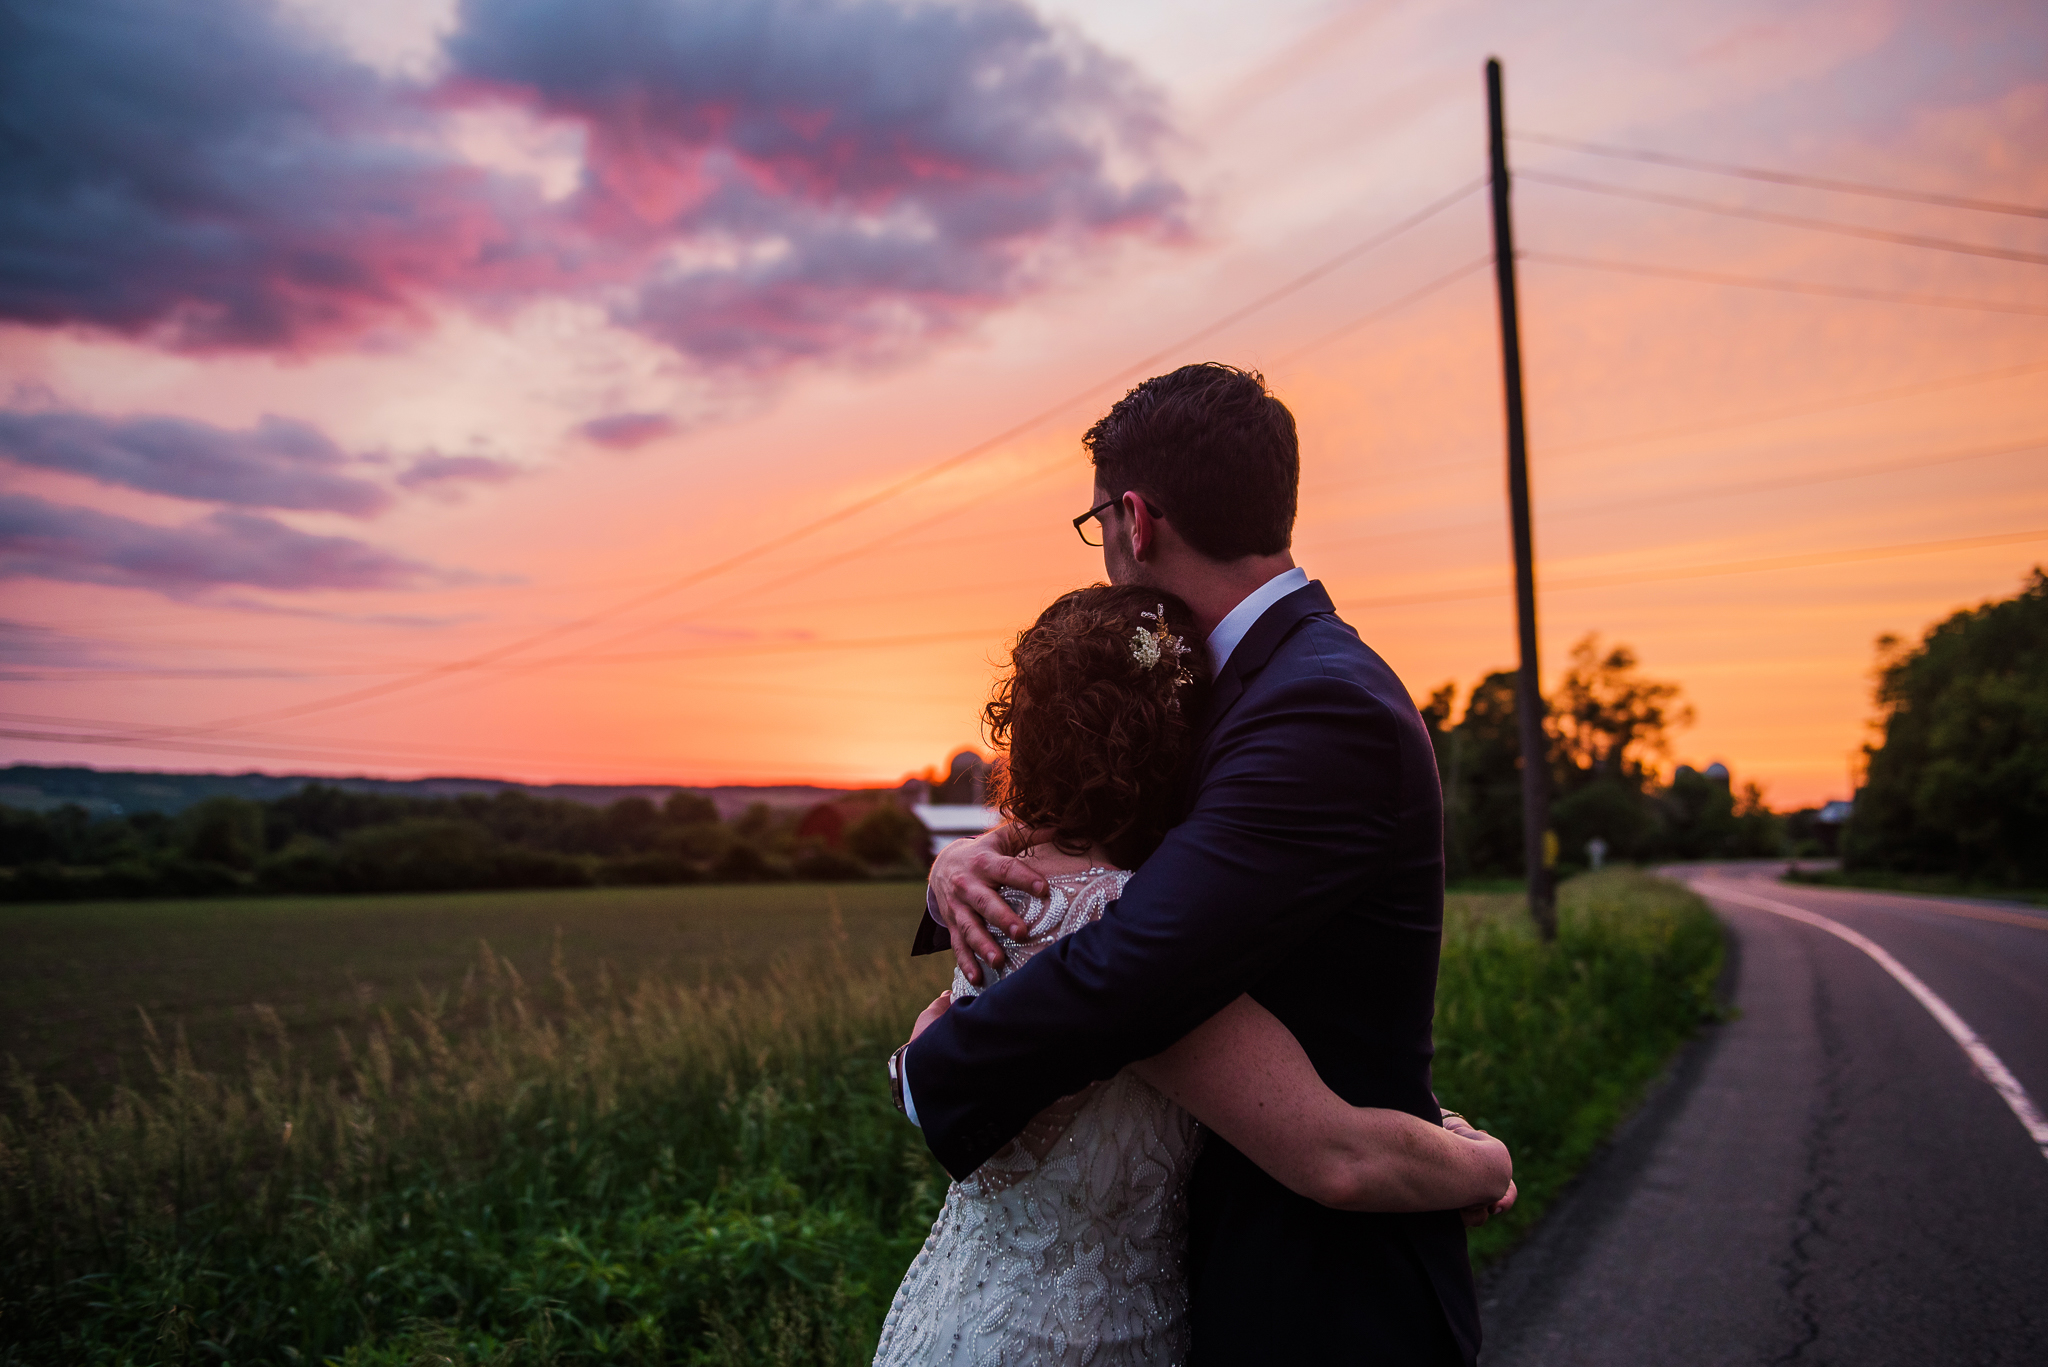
44,540
853,175
438,471
26,644
279,463
203,173
625,431
766,180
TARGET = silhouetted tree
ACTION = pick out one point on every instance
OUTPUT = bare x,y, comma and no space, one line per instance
1959,783
1607,726
690,809
223,830
1607,722
887,835
1481,766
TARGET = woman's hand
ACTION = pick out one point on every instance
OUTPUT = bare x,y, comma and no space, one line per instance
940,1005
1474,1216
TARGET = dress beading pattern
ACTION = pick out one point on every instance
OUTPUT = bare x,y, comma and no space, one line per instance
1069,1245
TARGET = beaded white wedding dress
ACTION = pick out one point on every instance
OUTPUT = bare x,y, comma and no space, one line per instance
1069,1245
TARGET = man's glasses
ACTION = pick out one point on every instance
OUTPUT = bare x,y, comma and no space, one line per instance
1093,530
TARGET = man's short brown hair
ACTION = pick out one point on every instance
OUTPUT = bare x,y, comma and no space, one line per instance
1212,448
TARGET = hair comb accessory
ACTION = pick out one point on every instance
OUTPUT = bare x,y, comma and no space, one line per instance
1151,645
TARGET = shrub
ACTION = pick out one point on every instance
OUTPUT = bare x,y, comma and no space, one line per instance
661,867
223,830
424,855
305,865
690,809
742,862
822,864
888,835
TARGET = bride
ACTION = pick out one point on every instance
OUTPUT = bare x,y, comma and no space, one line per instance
1069,1245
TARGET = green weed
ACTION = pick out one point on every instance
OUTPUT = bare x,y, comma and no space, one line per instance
1548,1046
540,1168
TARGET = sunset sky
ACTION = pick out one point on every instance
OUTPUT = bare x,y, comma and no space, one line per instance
429,388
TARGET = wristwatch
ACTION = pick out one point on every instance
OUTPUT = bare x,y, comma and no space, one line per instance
896,1080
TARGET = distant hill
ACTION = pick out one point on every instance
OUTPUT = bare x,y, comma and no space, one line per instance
114,791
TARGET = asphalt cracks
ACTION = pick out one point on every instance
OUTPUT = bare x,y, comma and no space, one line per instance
1824,1178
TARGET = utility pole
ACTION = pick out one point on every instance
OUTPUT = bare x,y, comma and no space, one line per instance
1536,837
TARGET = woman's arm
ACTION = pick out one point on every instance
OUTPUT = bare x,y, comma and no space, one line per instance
1244,1075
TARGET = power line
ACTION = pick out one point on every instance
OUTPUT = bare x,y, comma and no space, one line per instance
1796,410
1876,467
331,751
1822,225
1785,286
930,472
1726,567
402,754
703,652
895,537
1724,424
815,567
1443,281
1699,491
1724,168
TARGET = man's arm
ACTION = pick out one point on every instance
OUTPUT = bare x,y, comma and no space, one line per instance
1301,795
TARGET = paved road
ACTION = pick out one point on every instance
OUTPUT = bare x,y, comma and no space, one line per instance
1824,1179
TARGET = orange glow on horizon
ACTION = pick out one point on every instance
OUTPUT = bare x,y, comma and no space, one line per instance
1746,486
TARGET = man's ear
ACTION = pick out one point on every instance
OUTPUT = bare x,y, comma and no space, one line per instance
1144,528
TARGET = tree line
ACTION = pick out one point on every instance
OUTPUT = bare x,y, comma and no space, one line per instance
1607,727
1956,783
323,839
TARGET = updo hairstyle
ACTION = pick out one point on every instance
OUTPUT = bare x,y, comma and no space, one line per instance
1099,722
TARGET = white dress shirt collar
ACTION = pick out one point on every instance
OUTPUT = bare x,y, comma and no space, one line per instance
1231,630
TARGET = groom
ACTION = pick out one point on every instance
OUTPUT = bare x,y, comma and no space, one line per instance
1308,872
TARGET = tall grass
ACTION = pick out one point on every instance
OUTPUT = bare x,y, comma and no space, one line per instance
656,1174
1548,1046
578,1172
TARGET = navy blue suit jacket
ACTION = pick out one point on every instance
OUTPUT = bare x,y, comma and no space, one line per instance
1309,873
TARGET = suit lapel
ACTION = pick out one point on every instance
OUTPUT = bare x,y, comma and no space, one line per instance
1275,624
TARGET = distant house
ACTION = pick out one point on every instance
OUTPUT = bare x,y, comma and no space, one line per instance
949,822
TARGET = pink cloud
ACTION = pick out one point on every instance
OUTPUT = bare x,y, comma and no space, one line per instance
765,182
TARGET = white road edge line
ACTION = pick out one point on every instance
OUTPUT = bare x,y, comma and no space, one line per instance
1987,1063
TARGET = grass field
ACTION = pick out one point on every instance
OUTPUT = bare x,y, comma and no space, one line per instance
670,1143
75,975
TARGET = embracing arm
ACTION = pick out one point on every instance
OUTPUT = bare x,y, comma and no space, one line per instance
1244,1075
1299,794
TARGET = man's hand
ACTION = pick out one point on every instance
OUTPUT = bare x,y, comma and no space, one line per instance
963,885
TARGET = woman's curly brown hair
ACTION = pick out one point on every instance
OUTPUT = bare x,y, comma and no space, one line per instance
1100,739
